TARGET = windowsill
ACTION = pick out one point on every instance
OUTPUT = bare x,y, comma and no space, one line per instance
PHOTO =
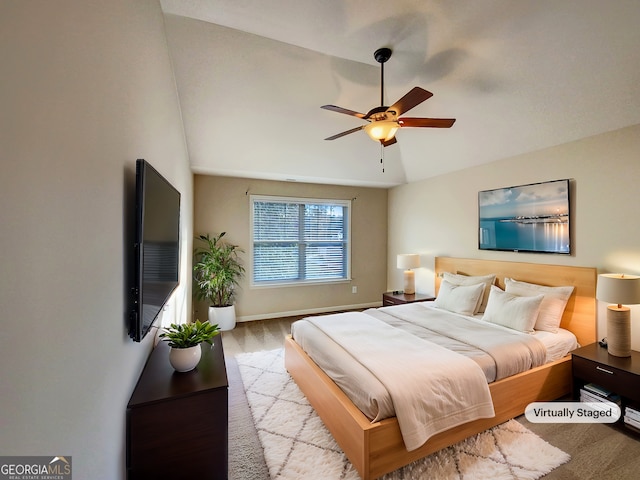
309,283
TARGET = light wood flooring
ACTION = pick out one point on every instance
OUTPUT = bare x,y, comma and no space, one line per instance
598,451
257,335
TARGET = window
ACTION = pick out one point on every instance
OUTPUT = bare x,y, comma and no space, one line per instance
297,240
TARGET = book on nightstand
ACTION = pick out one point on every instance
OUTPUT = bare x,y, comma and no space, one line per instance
597,389
595,393
631,423
632,414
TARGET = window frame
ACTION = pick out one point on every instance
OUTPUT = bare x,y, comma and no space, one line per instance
347,204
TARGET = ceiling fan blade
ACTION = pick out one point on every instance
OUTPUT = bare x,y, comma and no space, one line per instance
426,122
415,97
346,111
338,135
388,142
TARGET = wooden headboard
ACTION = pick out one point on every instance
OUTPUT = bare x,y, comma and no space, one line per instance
579,315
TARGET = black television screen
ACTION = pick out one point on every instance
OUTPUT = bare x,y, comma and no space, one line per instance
157,247
526,218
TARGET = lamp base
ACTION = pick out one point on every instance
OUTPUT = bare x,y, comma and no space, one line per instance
619,331
409,282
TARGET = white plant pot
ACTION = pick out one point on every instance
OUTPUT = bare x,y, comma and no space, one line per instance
224,317
185,359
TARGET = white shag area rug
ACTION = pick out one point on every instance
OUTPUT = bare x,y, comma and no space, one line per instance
298,446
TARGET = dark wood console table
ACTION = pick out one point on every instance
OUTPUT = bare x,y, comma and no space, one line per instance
177,423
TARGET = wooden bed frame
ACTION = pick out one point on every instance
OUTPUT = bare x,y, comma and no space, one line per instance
377,448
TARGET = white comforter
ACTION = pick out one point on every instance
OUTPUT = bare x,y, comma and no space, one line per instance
512,351
433,389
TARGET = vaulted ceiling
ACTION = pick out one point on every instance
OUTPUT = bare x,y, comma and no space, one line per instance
518,75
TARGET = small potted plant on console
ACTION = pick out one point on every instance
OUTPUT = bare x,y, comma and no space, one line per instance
184,340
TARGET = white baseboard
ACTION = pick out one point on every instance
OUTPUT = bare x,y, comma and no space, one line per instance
310,311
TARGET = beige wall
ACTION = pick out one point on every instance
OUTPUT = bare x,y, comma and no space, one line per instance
87,88
223,204
439,216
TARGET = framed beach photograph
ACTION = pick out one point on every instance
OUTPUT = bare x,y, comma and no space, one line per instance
527,218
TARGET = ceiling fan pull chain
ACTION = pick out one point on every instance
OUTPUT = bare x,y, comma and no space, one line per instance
382,156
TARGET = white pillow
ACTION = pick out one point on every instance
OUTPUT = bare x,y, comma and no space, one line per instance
553,305
509,310
486,280
461,299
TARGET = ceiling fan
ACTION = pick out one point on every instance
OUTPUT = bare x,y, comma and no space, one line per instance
385,121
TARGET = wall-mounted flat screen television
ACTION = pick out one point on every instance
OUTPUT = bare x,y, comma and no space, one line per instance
527,218
157,247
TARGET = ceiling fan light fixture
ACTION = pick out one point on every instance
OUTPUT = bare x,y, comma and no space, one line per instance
382,130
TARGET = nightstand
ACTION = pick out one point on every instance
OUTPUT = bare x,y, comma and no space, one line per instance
390,298
620,375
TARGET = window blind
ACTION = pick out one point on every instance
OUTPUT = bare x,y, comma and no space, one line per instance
299,240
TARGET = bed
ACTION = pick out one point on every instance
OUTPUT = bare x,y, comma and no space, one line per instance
376,448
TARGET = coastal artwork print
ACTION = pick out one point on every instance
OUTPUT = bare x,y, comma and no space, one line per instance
526,218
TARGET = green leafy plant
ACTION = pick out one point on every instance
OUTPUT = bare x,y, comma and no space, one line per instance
187,335
216,270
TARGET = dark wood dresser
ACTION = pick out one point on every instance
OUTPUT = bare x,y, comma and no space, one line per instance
177,423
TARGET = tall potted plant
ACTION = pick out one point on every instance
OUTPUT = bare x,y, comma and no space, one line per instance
217,270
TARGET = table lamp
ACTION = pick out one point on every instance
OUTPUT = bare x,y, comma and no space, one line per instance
407,261
620,289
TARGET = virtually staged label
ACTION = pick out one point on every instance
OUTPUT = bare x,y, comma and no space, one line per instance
572,412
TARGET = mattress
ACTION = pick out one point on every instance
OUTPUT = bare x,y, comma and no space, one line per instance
368,393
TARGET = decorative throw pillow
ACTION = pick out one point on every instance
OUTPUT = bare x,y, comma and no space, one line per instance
486,280
553,305
461,299
512,311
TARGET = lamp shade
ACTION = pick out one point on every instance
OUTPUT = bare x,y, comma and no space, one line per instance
407,261
382,130
618,288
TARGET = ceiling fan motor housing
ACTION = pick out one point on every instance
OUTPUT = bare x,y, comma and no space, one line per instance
382,55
